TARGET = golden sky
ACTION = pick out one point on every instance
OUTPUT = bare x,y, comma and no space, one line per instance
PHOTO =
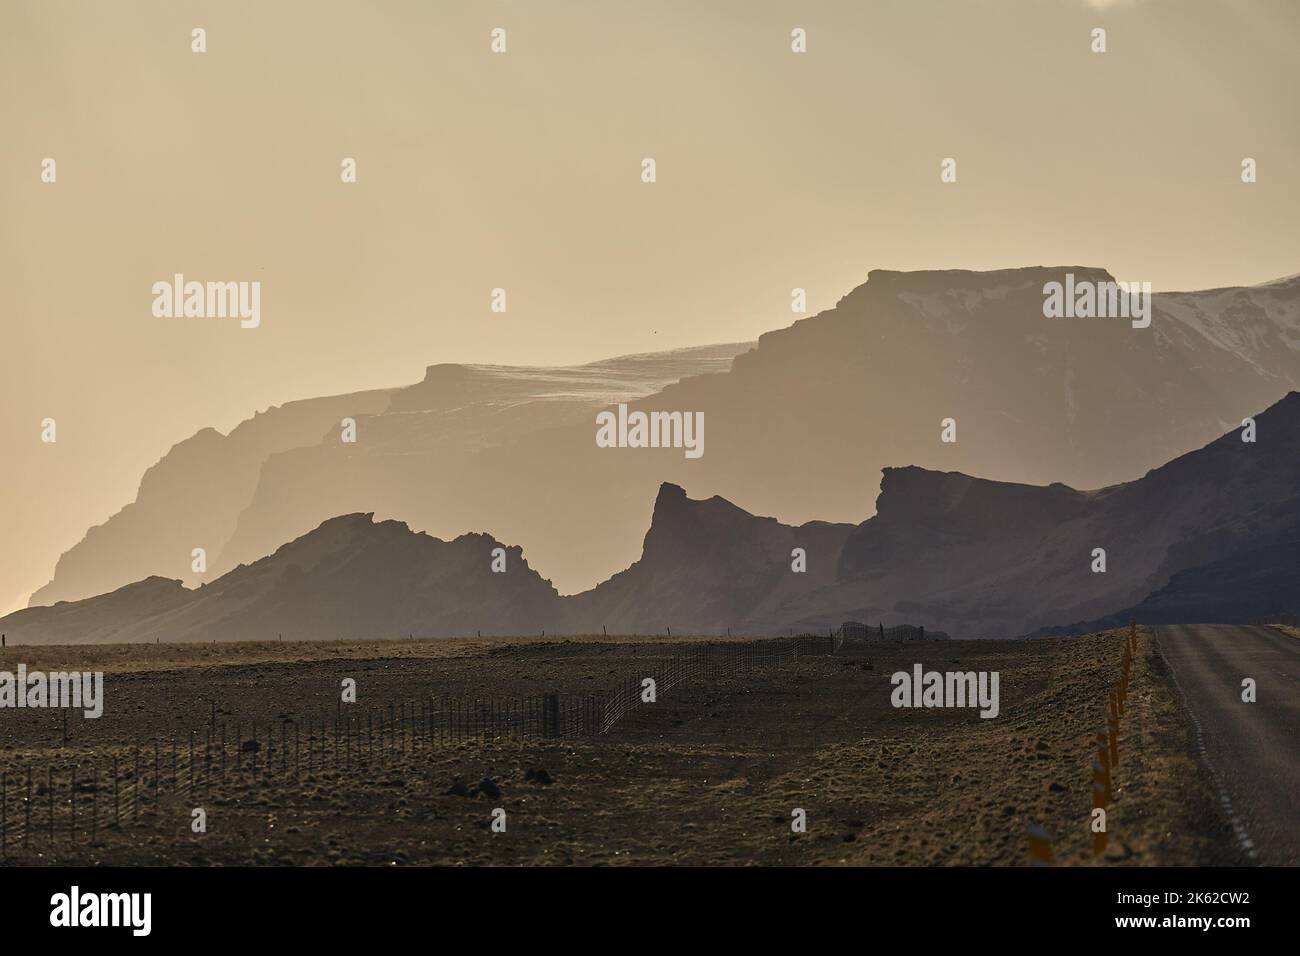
522,170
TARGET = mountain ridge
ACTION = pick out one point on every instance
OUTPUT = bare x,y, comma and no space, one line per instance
799,426
1213,528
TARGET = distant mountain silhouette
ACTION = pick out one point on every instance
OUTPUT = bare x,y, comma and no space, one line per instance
1212,535
800,427
1207,535
195,495
1261,585
350,578
709,565
980,558
192,498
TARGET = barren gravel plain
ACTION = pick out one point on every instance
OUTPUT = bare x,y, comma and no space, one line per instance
709,774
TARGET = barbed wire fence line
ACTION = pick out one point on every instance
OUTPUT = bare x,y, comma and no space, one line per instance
73,799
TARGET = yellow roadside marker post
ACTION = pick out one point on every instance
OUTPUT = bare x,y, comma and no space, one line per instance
1040,847
1103,760
1114,731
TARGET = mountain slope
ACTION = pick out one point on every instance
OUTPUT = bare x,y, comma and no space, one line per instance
350,577
194,495
802,426
980,558
192,499
1209,536
709,565
993,560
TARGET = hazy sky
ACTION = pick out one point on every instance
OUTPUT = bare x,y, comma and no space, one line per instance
522,170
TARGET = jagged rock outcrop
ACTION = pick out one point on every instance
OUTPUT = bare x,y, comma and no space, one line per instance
1210,536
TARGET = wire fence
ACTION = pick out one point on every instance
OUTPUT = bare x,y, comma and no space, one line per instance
853,635
73,800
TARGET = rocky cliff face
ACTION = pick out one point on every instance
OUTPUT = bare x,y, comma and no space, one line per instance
986,559
800,428
205,491
1211,535
706,566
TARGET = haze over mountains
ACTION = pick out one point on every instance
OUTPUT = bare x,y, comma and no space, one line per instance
1207,537
799,427
350,577
194,496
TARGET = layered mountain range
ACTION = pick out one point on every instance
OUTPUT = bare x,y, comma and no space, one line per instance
195,496
800,426
1210,536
